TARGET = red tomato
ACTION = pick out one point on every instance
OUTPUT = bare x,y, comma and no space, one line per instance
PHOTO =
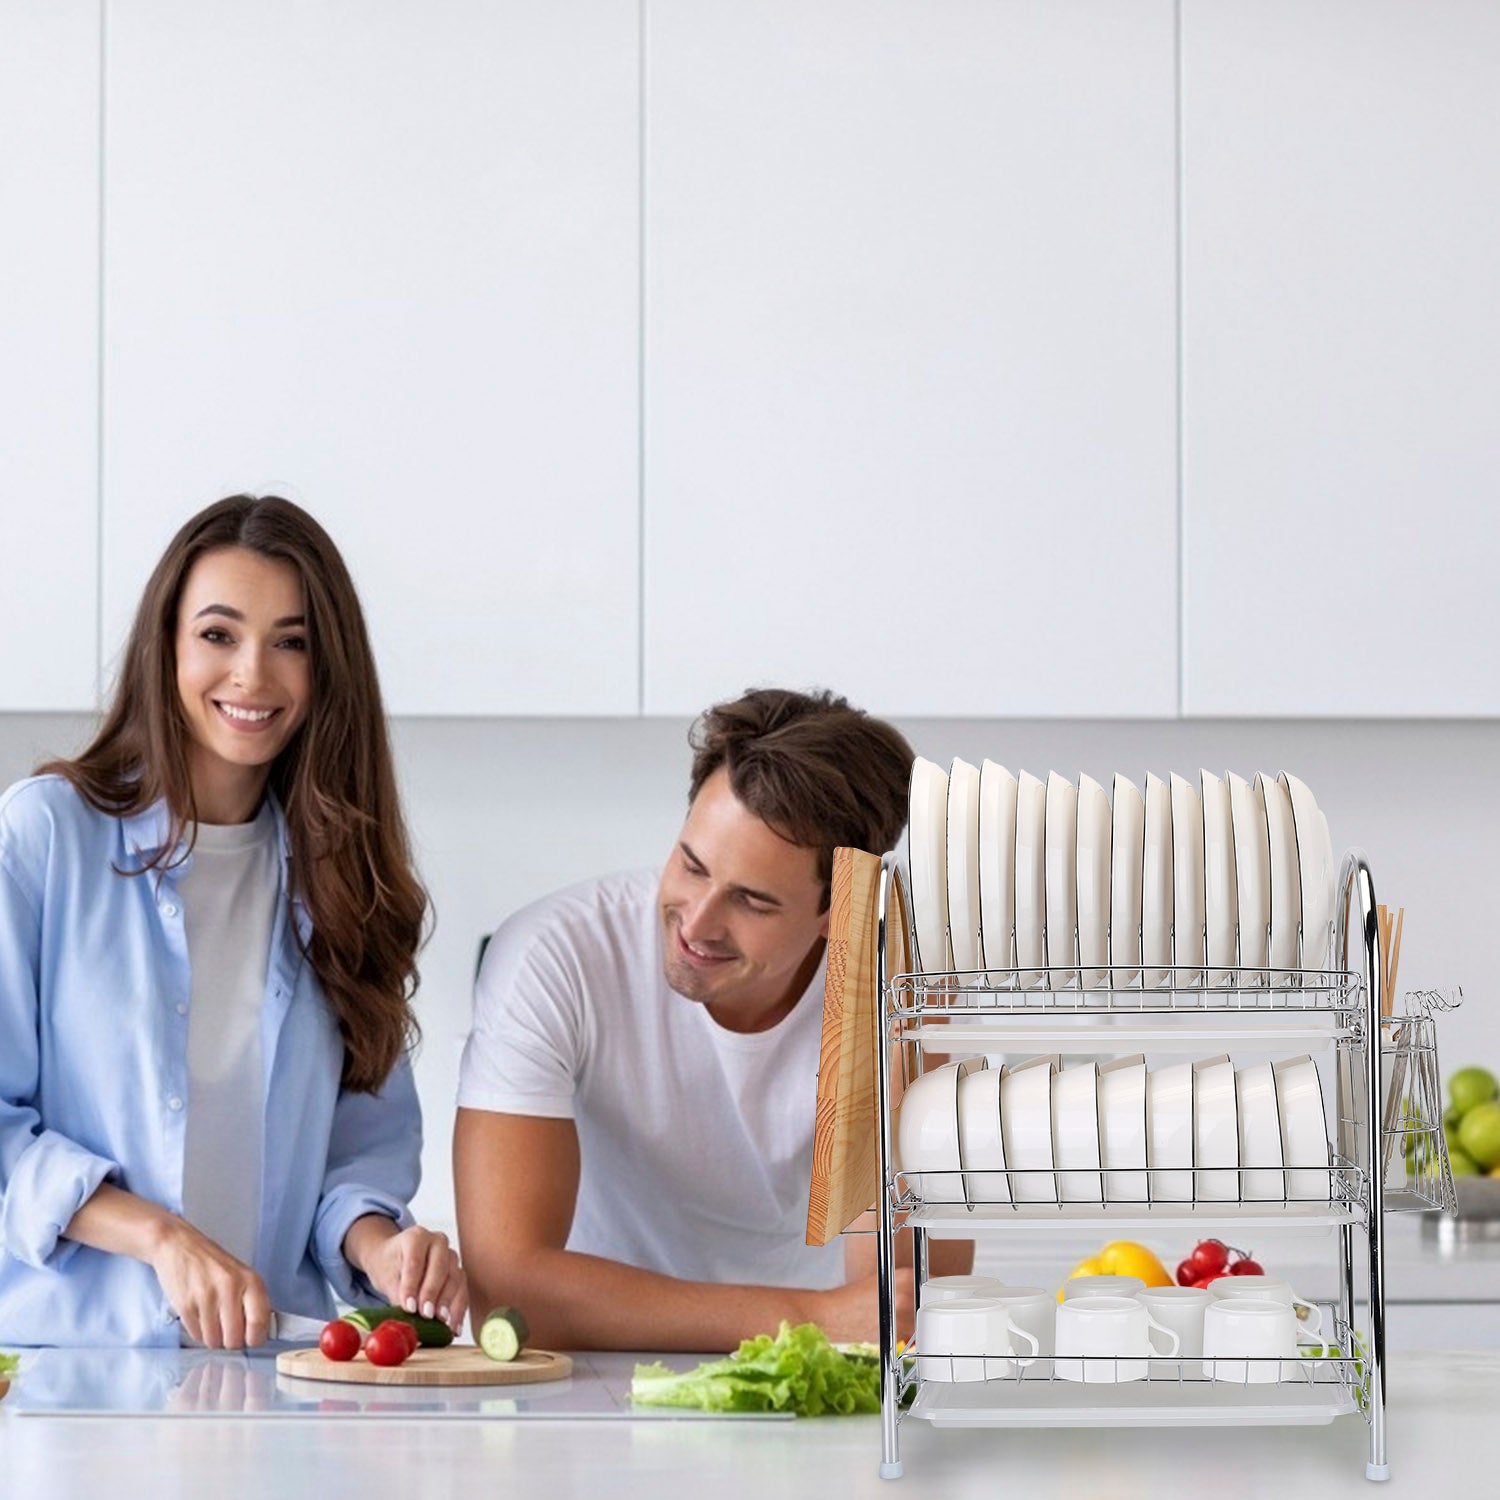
1247,1267
409,1333
1205,1283
387,1345
1186,1274
339,1340
1209,1257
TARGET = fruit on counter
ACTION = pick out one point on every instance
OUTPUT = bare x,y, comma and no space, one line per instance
388,1345
432,1333
1463,1164
339,1340
1479,1133
1247,1267
504,1334
1470,1087
1210,1259
1123,1258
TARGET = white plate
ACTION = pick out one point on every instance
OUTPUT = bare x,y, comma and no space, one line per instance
1156,885
1122,1129
928,842
1026,1125
1304,1129
1315,861
1031,877
1169,1142
981,1142
1260,1133
1062,876
927,1132
1075,1133
963,864
1092,864
1216,1130
1286,880
1252,871
997,865
1220,898
1127,859
1187,878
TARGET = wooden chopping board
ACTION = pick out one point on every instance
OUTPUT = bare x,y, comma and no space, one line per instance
846,1149
458,1364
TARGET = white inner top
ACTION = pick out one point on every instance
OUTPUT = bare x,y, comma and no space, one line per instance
229,896
696,1142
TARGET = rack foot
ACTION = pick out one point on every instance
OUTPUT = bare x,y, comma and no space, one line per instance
891,1471
1372,1471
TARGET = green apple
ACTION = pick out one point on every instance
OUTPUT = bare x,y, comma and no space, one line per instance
1471,1086
1462,1163
1451,1116
1479,1134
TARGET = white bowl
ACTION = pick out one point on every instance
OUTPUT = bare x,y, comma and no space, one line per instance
1187,879
927,1134
1062,876
1122,1129
1220,892
1075,1133
1031,877
1304,1129
1127,860
1286,879
963,865
1315,862
1156,885
1260,1134
980,1141
927,840
997,865
1216,1130
1026,1125
1093,874
1252,869
1169,1142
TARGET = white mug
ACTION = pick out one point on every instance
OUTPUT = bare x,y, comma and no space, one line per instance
1102,1286
954,1288
970,1338
1179,1308
1262,1334
1115,1331
1033,1311
1271,1289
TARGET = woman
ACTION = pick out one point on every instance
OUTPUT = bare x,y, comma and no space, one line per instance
208,933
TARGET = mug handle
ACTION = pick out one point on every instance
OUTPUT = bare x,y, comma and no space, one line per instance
1015,1330
1314,1325
1170,1333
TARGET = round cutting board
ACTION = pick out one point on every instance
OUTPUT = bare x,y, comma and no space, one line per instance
458,1364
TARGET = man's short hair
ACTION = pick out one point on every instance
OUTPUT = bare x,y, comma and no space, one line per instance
813,769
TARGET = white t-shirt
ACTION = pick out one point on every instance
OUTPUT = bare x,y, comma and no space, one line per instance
696,1142
229,896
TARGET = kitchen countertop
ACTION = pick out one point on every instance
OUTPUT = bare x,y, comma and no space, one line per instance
1440,1424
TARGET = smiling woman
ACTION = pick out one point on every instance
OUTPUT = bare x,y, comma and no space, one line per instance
208,935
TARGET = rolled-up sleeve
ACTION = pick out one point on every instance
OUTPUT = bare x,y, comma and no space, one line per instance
374,1166
45,1178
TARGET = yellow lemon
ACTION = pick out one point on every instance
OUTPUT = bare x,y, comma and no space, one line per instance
1126,1258
1093,1266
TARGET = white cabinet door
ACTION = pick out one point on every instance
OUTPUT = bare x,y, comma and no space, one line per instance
910,354
1340,374
383,258
49,353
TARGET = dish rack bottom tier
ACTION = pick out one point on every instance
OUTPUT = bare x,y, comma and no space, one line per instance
1136,1403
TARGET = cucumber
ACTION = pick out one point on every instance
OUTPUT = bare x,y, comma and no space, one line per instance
432,1333
504,1334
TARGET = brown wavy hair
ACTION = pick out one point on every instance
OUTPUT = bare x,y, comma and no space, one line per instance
815,770
350,855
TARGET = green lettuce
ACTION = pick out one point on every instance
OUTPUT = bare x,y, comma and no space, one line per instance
797,1371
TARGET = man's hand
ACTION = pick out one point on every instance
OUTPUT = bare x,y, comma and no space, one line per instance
851,1313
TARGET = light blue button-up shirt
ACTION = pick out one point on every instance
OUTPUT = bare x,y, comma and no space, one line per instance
94,995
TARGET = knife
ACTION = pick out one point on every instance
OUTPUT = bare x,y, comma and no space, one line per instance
293,1328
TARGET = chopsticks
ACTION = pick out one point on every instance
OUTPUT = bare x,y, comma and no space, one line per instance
1390,961
1390,953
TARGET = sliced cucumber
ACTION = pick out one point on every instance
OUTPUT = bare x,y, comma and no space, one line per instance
504,1334
432,1333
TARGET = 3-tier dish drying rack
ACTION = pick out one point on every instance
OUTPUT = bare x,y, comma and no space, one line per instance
1386,1153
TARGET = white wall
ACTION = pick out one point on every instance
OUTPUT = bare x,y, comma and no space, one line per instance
504,810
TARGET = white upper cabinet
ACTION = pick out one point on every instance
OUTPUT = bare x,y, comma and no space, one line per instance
910,354
383,258
1341,378
49,362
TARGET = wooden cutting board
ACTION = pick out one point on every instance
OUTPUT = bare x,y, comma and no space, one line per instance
458,1364
846,1151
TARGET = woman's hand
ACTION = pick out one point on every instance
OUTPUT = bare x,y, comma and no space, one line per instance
412,1268
223,1304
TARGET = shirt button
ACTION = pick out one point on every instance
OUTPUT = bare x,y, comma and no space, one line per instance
175,1102
168,909
182,1010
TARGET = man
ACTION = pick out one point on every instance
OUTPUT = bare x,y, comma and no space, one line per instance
634,1138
